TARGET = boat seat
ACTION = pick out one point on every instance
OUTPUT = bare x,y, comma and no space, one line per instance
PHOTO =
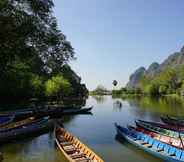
83,160
167,148
178,153
182,156
70,149
66,143
155,144
161,147
145,141
172,151
75,156
151,141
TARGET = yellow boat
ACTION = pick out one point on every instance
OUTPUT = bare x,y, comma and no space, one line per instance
72,148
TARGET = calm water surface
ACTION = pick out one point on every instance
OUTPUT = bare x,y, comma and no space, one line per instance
97,131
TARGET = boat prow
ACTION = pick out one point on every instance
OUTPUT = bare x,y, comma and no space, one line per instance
72,148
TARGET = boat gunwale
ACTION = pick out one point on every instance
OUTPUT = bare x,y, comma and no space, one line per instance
80,145
146,149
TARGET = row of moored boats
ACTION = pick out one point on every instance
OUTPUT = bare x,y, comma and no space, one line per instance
164,140
70,146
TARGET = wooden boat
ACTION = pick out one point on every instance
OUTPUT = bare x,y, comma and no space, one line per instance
72,148
24,130
152,146
175,142
77,111
159,130
165,126
17,124
173,121
46,111
6,119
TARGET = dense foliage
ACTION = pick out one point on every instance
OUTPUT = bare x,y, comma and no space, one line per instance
34,53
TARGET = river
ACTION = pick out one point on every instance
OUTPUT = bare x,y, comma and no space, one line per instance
97,131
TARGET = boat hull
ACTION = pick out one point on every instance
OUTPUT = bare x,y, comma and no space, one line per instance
173,122
28,130
154,153
79,147
6,119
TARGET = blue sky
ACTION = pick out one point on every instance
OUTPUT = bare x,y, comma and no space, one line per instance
114,37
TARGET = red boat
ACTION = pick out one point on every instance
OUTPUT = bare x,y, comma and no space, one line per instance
176,142
165,126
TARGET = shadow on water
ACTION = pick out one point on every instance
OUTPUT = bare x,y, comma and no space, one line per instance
134,149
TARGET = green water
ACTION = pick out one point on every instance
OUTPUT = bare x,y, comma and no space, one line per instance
97,131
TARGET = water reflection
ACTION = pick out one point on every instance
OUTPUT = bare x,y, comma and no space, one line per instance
163,105
100,99
117,105
98,131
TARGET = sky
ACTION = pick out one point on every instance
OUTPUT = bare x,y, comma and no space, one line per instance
112,38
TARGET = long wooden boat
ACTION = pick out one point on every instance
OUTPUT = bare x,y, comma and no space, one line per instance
41,112
77,111
25,130
165,126
175,142
152,146
18,124
173,121
159,130
6,119
72,148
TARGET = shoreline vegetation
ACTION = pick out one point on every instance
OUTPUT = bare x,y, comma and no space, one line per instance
35,55
126,93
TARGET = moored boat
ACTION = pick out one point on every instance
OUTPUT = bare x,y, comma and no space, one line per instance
72,148
150,145
175,142
6,119
165,126
159,130
173,121
77,111
17,124
24,130
47,111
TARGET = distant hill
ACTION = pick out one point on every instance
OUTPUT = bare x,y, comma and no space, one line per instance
155,71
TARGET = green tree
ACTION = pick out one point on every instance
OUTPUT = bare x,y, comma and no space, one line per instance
37,84
29,29
57,87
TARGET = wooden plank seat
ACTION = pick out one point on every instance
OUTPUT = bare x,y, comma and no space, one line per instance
83,160
70,149
79,155
66,143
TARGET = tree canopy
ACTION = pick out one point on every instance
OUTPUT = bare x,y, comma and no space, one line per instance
32,48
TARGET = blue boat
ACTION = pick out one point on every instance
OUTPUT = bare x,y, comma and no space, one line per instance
6,119
25,130
161,150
